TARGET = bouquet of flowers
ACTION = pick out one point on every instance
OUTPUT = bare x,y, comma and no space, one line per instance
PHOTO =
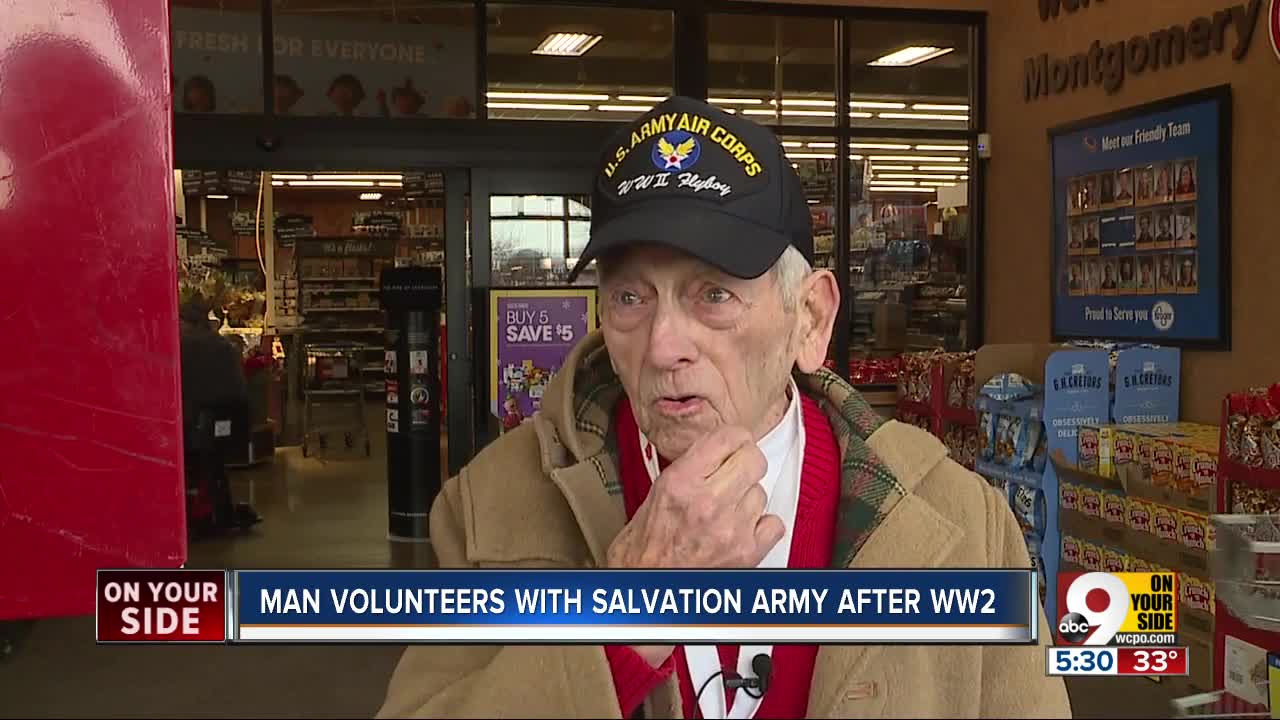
201,286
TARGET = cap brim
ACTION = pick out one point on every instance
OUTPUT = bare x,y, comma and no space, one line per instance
738,247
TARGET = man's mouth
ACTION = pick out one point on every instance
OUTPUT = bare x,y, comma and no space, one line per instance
679,405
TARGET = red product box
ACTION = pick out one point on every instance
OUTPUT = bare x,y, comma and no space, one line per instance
153,606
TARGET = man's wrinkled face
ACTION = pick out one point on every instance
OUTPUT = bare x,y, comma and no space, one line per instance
696,348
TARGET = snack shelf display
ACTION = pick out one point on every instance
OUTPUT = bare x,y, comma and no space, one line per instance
936,391
1011,457
1044,397
1247,548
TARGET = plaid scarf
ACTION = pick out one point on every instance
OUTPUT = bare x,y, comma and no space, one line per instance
868,490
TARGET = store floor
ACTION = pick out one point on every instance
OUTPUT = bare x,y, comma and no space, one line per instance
316,514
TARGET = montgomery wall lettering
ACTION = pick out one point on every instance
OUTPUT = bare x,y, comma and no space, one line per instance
1170,47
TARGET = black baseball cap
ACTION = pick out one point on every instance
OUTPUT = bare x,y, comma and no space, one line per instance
692,177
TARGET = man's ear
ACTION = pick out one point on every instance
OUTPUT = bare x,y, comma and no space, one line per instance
819,302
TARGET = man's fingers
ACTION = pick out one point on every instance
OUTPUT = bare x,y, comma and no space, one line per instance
769,530
744,468
754,501
710,451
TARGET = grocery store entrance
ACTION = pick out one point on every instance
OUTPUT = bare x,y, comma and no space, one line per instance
291,260
287,265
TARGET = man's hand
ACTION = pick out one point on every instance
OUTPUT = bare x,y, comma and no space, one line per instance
706,510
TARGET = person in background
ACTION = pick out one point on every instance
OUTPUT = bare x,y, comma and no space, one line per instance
199,95
1108,277
1165,236
287,93
346,93
213,381
1187,179
698,429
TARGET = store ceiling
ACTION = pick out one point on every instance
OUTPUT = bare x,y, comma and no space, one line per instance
639,34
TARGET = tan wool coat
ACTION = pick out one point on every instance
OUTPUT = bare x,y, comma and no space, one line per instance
546,495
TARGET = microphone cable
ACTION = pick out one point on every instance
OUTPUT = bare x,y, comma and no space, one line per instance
761,665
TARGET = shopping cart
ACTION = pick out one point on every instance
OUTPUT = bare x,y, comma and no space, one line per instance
334,409
1246,570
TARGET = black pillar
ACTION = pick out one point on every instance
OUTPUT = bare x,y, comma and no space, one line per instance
411,297
690,44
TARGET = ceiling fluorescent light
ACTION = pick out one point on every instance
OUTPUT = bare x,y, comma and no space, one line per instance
911,176
944,148
811,156
936,183
895,189
581,97
877,105
390,184
821,145
803,113
327,176
624,108
928,106
908,56
642,98
878,181
277,183
923,116
370,196
536,106
944,168
330,183
735,101
860,115
916,158
563,44
895,167
855,157
792,143
880,146
218,197
964,177
802,102
286,176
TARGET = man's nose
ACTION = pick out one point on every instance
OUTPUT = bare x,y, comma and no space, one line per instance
671,343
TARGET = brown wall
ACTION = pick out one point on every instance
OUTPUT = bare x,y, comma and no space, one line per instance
1018,202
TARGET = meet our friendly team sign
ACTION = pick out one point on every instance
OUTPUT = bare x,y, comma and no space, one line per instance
635,606
1139,238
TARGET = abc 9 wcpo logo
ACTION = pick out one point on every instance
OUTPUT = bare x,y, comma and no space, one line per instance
1097,604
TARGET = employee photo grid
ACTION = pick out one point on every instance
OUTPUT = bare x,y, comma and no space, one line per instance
1159,257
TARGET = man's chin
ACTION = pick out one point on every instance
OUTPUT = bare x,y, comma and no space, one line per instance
674,438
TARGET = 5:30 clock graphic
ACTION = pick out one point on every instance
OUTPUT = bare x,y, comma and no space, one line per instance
1141,661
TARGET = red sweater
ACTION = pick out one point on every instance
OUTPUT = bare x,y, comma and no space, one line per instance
811,541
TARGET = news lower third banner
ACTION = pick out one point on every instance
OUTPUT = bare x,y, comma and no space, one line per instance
569,606
636,606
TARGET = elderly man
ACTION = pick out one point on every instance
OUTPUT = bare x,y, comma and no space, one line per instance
698,429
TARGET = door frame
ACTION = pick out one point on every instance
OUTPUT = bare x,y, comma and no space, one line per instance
562,178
